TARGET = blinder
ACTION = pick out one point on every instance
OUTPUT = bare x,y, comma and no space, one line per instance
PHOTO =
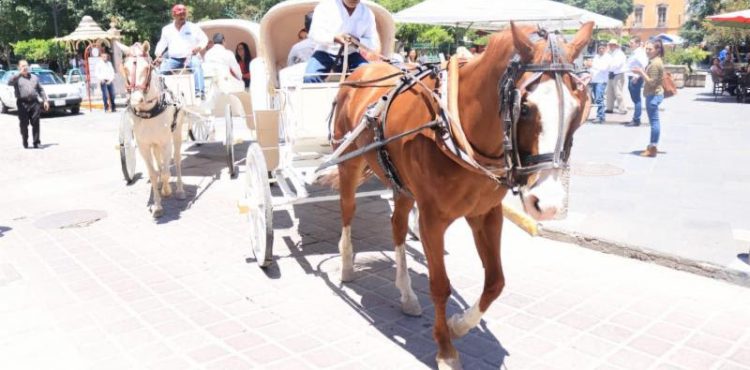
519,167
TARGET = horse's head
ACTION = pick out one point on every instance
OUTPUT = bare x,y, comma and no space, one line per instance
545,103
137,70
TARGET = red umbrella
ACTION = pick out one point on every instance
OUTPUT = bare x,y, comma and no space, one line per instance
740,19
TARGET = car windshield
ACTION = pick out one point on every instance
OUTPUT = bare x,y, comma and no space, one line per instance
48,78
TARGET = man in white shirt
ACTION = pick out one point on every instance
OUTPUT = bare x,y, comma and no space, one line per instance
303,49
105,74
184,41
616,86
334,23
219,55
599,77
638,59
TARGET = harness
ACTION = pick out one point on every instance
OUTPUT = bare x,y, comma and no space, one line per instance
507,170
164,101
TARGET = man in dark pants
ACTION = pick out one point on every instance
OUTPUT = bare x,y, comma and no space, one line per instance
28,91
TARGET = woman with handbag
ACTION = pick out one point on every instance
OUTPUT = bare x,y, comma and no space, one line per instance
653,91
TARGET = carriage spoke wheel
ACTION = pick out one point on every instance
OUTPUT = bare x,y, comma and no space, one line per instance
230,140
260,208
127,149
200,130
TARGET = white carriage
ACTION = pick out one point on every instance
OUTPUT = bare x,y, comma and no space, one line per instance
293,124
226,98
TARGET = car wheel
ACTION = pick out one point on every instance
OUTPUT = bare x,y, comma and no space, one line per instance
76,109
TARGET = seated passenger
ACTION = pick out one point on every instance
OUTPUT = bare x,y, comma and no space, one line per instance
334,24
303,49
184,40
243,57
219,55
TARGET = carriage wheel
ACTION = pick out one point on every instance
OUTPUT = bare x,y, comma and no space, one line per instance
414,223
230,140
127,149
200,130
260,208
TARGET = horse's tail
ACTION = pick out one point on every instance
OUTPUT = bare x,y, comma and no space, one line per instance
330,177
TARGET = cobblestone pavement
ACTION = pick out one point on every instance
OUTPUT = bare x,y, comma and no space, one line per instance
183,292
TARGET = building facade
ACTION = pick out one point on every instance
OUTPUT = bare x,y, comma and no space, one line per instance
653,17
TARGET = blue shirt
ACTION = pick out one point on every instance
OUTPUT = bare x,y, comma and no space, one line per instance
723,54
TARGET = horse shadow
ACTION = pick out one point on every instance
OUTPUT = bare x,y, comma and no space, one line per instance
709,97
174,207
373,294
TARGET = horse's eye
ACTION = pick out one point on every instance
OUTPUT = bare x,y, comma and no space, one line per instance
524,110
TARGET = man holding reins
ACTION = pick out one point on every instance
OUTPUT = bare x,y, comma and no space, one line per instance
184,42
336,23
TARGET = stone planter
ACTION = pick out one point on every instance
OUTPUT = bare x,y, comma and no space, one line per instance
696,79
678,74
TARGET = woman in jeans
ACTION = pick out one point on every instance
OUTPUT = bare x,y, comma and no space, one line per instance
653,77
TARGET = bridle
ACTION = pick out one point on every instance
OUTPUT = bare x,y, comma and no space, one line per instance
130,84
510,93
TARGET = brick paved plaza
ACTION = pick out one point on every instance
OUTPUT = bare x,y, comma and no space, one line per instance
183,292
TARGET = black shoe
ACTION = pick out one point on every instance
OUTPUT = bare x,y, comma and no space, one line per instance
608,111
37,145
26,145
633,124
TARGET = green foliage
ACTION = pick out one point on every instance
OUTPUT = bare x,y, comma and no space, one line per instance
38,50
394,6
698,29
612,8
688,56
482,40
435,36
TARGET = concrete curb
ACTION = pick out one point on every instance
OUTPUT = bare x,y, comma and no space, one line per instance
702,268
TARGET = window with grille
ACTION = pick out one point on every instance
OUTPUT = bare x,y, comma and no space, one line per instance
638,19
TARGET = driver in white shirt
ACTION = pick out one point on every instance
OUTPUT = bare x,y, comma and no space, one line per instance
334,23
184,41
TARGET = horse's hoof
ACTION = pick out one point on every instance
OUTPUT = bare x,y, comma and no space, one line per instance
411,307
180,195
456,327
158,213
347,275
449,363
166,194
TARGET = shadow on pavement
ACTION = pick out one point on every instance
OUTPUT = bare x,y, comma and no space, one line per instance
373,294
4,229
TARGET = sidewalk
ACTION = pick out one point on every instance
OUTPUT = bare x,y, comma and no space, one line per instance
687,208
123,291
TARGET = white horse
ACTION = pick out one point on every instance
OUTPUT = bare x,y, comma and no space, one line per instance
156,122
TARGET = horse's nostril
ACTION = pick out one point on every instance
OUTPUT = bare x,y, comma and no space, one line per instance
536,205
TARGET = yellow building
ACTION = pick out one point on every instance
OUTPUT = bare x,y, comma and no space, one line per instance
652,17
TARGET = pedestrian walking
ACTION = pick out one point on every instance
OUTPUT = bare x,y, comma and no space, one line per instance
638,59
599,79
105,74
616,85
28,92
653,90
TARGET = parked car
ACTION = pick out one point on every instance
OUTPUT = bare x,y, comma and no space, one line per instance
61,96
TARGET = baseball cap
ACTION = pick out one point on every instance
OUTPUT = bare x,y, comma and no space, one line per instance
613,42
179,9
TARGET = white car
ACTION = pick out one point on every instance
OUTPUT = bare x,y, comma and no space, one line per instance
61,96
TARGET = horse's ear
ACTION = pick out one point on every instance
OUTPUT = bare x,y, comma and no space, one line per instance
522,42
146,47
581,39
123,48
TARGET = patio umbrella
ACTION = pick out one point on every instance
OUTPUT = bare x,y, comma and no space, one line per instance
740,19
668,39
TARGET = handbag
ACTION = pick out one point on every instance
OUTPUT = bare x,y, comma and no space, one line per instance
670,89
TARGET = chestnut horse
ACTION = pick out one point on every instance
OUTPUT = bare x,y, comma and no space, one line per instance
526,74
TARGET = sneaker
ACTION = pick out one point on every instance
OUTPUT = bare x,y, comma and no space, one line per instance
633,124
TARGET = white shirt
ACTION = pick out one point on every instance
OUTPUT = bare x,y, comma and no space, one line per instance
638,59
618,63
104,72
600,68
301,52
331,18
181,42
220,55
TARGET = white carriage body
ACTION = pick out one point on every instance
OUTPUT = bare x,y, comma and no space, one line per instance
303,108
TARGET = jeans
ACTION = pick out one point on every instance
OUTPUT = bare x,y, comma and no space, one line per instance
599,89
652,109
194,63
108,95
635,84
322,62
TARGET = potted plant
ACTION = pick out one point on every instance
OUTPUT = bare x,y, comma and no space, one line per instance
688,57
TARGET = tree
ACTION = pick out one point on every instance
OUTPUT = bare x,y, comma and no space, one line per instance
694,29
612,8
38,50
